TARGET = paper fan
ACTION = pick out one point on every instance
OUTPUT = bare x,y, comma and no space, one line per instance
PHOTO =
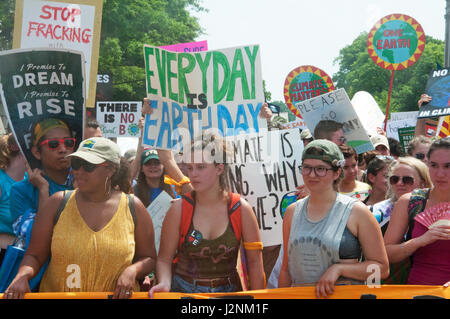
435,216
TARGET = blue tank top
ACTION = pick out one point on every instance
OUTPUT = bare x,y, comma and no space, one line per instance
6,219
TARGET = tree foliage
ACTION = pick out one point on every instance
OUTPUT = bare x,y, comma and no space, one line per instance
358,72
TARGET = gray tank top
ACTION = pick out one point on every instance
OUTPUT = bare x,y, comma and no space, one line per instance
314,246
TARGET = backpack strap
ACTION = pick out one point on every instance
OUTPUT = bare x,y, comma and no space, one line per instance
62,205
187,210
234,213
416,205
131,207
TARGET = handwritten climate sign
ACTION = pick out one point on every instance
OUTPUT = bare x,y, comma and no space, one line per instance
187,47
266,172
39,84
303,83
211,90
336,106
396,42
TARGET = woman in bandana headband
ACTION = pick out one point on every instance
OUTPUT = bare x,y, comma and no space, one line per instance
325,234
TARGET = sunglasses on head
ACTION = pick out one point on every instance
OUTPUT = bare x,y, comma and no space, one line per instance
77,163
407,180
53,143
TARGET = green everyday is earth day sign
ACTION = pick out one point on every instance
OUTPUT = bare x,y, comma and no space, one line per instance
192,92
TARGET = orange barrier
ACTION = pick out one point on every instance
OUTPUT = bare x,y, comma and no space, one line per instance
341,292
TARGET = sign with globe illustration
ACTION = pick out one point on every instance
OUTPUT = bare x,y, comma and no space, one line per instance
303,83
396,42
438,87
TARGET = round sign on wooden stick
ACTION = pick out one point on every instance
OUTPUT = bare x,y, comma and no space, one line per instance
303,83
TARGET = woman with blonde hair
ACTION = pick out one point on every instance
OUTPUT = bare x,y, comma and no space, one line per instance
202,232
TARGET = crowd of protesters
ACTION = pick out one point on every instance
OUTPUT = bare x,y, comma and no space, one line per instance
82,215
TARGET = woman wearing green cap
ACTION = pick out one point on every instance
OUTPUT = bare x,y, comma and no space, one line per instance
98,242
324,233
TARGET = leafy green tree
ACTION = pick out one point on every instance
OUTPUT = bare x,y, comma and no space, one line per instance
358,72
126,26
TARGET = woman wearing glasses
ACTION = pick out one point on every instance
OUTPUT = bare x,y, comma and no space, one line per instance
98,242
325,233
428,247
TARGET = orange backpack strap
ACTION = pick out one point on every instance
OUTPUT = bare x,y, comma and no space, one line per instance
234,212
187,210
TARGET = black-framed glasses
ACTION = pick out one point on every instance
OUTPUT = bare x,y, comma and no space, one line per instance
53,143
406,180
420,156
320,171
77,163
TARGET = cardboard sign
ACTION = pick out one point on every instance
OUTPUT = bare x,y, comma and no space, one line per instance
392,127
301,124
119,119
187,47
190,93
397,116
62,24
336,106
438,87
368,111
39,84
269,185
157,210
405,135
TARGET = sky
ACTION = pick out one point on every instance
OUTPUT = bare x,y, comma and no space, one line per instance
292,33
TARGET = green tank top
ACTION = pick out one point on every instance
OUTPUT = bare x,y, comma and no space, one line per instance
204,258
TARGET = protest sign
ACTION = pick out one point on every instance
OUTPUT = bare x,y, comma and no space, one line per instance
270,184
62,24
368,111
303,83
438,87
39,84
397,116
187,47
210,90
393,126
119,119
405,135
336,106
395,42
157,210
300,123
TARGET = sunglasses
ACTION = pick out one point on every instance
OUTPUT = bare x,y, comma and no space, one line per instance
420,156
77,163
406,180
53,143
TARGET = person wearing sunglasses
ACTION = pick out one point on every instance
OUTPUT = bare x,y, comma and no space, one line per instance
429,247
326,233
51,142
96,233
418,147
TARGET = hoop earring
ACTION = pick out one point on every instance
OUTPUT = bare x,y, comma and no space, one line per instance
107,192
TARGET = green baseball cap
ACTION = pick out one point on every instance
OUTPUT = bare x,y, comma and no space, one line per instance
331,152
148,155
97,150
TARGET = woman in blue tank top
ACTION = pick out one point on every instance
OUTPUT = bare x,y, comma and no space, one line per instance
326,233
